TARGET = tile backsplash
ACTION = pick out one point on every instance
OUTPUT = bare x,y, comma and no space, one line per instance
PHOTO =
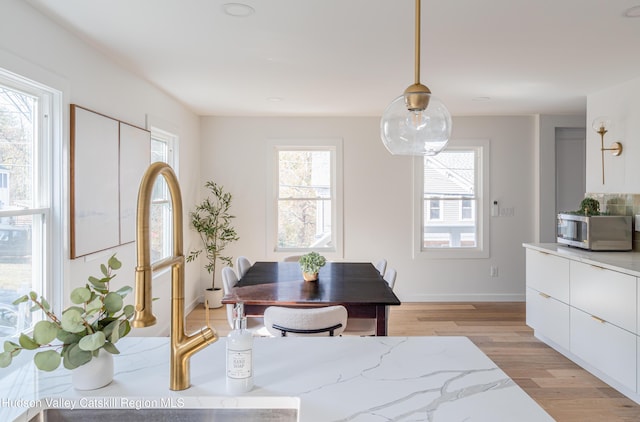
620,204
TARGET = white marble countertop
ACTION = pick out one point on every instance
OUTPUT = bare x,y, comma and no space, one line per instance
336,379
624,262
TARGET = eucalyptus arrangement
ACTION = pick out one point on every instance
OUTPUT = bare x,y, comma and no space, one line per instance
310,264
97,320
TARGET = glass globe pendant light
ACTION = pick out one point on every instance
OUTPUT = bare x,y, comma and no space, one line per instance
416,123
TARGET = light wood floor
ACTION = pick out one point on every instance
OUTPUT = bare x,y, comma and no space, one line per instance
567,392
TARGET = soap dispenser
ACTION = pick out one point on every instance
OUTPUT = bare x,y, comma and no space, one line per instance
239,354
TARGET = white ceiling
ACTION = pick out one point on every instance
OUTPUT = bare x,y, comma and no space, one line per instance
353,57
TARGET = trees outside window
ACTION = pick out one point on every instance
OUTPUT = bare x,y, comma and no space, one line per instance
306,209
27,118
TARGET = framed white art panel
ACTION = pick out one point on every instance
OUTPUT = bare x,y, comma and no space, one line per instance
108,159
135,157
95,211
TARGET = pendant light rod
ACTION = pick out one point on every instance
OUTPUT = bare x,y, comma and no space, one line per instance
417,64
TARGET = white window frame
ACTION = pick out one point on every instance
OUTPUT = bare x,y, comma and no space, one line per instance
274,146
171,141
49,177
481,250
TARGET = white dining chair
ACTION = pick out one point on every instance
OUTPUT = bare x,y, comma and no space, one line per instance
292,258
295,322
381,266
254,325
390,277
367,326
242,265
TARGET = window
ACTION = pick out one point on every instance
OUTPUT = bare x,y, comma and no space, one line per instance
29,112
467,209
162,149
434,207
307,207
450,199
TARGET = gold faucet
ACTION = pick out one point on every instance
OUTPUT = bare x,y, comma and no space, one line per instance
182,346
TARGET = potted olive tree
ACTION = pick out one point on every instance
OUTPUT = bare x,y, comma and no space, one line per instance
212,220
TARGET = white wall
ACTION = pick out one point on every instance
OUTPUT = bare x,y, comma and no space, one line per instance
621,103
544,189
34,47
378,198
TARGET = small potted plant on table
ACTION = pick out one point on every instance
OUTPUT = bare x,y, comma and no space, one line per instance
310,264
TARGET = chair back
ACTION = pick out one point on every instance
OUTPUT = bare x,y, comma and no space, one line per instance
381,266
292,258
324,321
229,281
390,277
242,265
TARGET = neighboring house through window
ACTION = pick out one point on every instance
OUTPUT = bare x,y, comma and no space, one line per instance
306,182
451,196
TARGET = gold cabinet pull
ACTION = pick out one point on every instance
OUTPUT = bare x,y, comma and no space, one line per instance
544,295
597,267
600,320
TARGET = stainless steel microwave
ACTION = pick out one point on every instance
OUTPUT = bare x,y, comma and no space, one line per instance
596,233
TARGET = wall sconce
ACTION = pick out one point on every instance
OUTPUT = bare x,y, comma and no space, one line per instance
602,125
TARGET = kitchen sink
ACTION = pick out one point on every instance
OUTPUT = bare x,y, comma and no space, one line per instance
280,409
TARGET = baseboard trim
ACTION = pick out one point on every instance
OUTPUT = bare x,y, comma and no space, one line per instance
479,297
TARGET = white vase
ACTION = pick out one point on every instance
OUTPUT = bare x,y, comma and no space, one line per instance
94,374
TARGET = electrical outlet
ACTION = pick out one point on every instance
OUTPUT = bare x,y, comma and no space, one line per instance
638,223
493,271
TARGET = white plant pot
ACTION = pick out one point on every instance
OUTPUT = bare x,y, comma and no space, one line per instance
97,373
214,297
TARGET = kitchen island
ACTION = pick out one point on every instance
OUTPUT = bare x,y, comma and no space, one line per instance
332,379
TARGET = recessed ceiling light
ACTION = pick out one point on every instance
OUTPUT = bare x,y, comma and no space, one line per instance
238,10
632,12
275,99
481,99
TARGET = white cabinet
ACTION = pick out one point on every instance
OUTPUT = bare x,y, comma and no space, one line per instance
587,312
606,294
549,317
548,274
605,346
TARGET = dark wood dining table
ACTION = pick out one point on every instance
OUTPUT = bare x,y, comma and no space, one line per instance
358,286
